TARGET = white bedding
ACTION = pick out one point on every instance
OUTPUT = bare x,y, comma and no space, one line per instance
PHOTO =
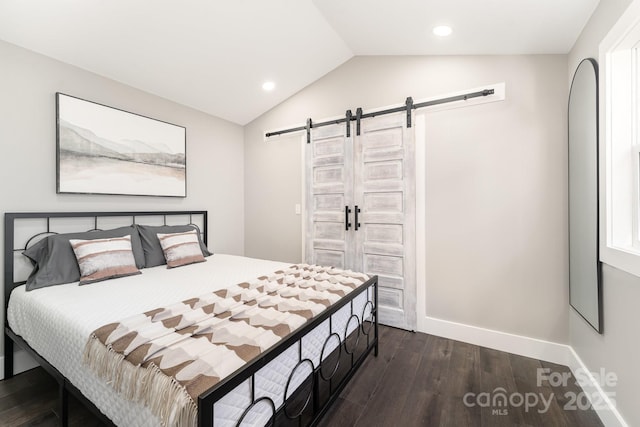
57,321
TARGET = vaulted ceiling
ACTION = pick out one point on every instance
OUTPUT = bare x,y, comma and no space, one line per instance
214,55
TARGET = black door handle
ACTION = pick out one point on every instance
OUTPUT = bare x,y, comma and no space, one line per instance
347,224
357,224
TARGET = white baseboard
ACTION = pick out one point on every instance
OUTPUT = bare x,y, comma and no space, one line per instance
605,408
561,354
21,362
511,343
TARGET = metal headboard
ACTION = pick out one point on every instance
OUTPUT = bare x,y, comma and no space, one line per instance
9,233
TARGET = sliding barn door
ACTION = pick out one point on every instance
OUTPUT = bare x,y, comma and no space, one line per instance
360,208
384,171
329,189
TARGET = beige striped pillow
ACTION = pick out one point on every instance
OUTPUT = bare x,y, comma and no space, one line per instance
102,259
181,248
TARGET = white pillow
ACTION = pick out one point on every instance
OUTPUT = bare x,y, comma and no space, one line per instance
102,259
181,248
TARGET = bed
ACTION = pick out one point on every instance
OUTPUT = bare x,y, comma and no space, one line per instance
292,382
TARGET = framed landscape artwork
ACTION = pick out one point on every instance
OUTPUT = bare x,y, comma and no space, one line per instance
104,150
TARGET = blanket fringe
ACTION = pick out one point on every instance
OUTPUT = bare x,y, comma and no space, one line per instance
163,395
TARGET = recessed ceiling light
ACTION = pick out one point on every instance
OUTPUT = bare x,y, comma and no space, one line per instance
268,86
442,30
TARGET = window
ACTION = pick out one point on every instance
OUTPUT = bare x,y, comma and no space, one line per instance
620,143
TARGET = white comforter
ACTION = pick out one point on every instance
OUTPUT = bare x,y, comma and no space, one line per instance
57,321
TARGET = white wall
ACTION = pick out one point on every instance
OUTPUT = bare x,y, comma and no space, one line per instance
616,350
495,195
496,187
28,83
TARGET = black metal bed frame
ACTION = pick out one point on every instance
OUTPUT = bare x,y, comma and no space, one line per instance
323,388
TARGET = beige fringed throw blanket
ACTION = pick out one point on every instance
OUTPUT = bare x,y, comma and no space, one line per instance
166,357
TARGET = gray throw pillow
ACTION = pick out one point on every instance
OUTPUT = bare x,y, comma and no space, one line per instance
54,260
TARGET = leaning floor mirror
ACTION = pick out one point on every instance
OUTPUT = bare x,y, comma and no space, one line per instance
585,289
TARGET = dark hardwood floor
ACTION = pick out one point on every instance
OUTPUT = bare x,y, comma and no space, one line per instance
424,380
31,399
416,380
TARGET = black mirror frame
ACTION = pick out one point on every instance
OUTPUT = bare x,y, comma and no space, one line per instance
599,327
